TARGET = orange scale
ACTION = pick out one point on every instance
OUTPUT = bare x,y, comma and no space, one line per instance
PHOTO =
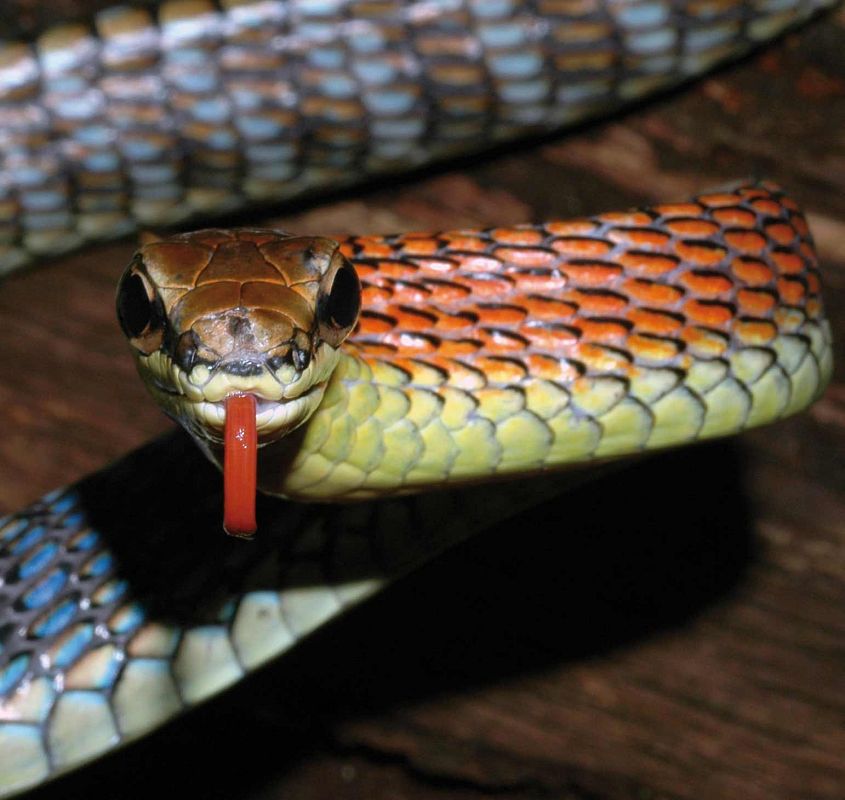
375,295
499,315
651,292
700,252
788,262
501,370
443,292
603,359
549,282
493,288
602,330
502,341
347,249
704,342
647,320
755,331
678,210
733,215
596,273
752,272
436,264
526,257
692,227
410,293
706,284
755,302
582,247
653,348
781,232
423,247
648,264
718,199
789,203
626,218
813,284
397,269
765,205
643,238
800,225
550,337
712,314
414,323
455,322
547,308
763,190
373,248
597,302
407,341
792,291
479,263
807,251
813,308
543,366
375,324
365,270
551,368
463,241
573,227
521,237
746,241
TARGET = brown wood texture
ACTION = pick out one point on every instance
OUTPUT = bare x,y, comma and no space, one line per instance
682,637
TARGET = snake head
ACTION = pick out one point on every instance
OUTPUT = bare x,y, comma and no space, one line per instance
215,313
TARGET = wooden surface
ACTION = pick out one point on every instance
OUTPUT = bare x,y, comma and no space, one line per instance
691,647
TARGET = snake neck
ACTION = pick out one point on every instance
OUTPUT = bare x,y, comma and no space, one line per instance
382,429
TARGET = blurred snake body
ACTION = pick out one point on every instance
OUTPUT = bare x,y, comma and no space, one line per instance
478,355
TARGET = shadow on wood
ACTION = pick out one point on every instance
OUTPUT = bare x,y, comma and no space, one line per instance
618,561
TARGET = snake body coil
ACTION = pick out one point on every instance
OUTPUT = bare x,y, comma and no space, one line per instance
206,108
479,354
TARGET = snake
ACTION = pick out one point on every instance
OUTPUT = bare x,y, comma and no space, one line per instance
433,383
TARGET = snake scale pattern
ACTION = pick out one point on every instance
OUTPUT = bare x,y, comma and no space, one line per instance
483,353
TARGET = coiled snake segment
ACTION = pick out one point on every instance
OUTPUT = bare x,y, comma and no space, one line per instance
583,340
203,107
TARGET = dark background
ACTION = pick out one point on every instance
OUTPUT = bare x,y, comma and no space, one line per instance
684,634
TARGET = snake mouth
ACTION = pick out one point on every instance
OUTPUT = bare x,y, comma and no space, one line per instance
274,417
271,416
284,398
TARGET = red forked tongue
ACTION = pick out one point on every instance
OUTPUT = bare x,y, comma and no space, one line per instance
240,465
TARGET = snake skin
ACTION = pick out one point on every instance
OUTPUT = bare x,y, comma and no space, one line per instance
676,323
646,329
112,626
206,108
507,351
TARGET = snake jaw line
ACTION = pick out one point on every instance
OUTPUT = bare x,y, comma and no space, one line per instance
198,400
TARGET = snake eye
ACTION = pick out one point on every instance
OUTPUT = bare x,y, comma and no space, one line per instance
139,312
338,308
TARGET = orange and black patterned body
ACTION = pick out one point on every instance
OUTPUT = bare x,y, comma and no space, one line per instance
489,353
